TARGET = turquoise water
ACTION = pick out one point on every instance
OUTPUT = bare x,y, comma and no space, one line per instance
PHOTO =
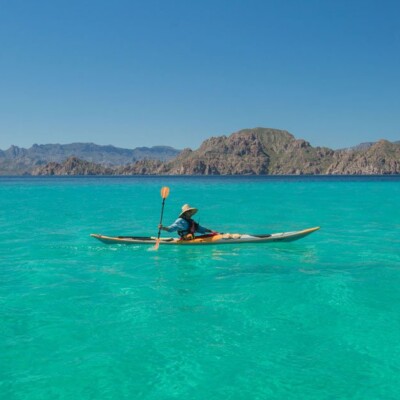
314,319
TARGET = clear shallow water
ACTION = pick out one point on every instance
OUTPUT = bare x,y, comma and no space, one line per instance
313,319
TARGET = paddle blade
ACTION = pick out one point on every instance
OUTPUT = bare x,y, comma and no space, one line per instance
156,246
164,192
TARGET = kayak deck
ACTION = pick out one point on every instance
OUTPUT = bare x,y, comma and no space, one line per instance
220,238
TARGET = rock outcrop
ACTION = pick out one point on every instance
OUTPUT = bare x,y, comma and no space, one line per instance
73,166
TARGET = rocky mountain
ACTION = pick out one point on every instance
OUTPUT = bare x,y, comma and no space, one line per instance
17,160
249,152
259,151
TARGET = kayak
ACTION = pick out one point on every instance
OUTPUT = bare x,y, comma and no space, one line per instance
219,238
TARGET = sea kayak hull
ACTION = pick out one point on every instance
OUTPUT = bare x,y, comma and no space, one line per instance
221,238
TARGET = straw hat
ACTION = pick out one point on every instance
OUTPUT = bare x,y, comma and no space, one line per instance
187,209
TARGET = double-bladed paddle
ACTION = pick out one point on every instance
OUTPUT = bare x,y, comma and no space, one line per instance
164,195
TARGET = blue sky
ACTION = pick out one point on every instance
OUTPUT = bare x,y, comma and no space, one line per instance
143,73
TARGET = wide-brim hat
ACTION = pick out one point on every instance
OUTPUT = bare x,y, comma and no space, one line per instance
187,209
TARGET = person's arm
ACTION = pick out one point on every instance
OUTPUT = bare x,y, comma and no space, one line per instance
179,225
202,229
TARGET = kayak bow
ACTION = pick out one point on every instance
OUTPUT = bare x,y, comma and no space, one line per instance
220,238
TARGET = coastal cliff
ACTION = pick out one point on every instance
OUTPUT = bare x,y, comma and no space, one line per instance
259,151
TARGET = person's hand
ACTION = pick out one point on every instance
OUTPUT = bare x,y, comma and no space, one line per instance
160,227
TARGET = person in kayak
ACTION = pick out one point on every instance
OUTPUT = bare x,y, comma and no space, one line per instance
185,226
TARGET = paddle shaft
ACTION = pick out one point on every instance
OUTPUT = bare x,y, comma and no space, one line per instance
162,213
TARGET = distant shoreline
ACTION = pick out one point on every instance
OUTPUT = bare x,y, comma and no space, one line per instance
209,177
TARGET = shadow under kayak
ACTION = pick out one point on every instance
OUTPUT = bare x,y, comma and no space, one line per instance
220,238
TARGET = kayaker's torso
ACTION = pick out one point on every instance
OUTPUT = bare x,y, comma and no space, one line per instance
185,226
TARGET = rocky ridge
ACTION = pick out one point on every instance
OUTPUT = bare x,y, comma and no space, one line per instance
259,151
381,158
17,160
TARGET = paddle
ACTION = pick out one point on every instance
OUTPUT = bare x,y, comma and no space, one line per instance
164,195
